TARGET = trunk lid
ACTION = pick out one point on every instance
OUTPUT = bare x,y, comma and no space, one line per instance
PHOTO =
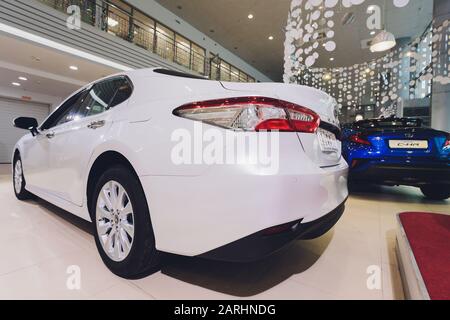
407,142
323,147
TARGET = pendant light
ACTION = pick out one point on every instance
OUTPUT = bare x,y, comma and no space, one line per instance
384,40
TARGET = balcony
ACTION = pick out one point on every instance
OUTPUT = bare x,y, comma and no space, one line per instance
123,21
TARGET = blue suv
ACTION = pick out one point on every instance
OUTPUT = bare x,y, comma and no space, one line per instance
399,151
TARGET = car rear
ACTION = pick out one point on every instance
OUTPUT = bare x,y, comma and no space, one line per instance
398,151
253,210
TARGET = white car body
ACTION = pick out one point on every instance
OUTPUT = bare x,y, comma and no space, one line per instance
199,208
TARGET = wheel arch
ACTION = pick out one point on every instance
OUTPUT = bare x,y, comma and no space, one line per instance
16,153
104,161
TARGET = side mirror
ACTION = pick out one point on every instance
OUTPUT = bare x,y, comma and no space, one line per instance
27,124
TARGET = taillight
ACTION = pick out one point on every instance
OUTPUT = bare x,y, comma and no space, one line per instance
252,114
356,138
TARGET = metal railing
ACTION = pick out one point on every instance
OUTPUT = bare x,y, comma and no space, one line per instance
116,21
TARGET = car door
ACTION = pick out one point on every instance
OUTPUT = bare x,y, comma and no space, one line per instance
36,149
73,143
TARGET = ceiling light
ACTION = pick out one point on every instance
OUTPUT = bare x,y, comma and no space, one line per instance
250,16
331,59
74,68
383,42
327,77
16,84
271,38
23,78
372,33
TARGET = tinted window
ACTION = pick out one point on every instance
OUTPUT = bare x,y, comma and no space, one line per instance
123,93
63,113
390,123
178,74
103,95
98,98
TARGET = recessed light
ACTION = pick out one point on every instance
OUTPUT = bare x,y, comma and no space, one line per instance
331,59
74,68
23,79
16,84
251,16
271,38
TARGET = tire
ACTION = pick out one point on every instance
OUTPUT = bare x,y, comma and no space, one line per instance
436,191
130,252
19,180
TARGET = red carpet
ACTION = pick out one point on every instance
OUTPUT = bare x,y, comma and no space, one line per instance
429,237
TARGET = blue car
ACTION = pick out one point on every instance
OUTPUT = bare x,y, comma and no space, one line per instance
399,151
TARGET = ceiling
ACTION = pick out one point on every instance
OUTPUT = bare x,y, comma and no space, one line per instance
232,28
36,84
46,69
249,38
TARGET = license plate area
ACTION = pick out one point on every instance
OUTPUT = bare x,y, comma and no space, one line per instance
327,141
408,144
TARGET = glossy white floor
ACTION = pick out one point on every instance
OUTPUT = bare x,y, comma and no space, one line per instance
40,243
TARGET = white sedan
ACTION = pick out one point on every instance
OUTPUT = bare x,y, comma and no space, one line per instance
161,161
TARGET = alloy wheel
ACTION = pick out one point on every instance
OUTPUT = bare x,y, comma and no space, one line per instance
18,176
115,221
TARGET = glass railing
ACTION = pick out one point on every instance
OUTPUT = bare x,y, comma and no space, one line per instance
113,20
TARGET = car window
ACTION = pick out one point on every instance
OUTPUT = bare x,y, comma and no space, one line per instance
71,113
104,95
390,123
90,102
123,93
63,113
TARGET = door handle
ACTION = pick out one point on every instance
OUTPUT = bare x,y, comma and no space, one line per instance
50,135
96,124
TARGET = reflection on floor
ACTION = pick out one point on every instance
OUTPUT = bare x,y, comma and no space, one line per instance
41,242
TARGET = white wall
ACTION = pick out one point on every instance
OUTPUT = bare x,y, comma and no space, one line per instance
14,93
166,17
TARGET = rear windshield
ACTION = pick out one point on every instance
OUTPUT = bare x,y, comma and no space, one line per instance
389,123
178,74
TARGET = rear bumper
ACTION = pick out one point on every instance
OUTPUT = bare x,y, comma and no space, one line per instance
231,203
260,245
403,174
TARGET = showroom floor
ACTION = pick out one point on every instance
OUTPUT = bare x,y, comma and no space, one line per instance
40,243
